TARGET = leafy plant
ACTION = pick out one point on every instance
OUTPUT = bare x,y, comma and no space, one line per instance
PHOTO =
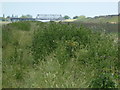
103,80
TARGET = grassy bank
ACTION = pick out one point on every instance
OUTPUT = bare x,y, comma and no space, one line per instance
55,55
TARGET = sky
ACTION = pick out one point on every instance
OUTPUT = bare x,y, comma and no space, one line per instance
59,0
89,9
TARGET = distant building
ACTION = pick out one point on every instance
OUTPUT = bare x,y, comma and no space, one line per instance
40,17
51,17
22,19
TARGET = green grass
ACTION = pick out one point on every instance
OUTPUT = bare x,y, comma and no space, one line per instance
54,55
106,19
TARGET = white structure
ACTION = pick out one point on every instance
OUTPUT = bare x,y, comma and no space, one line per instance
51,17
44,20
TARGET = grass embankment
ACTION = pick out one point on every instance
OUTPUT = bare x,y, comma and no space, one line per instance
52,55
99,19
69,20
4,22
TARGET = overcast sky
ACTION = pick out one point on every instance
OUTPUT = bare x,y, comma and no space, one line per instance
89,9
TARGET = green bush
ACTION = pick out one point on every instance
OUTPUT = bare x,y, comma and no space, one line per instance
103,80
63,56
47,37
25,25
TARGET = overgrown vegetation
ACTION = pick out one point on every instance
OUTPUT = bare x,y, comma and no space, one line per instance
56,55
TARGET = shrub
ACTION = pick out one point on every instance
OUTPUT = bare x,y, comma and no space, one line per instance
103,80
25,25
46,38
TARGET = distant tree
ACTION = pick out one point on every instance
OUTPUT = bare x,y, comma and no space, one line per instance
66,17
26,16
12,16
16,16
3,15
23,16
75,17
96,17
81,17
8,17
29,16
89,17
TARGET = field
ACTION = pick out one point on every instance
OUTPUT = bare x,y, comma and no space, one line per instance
69,20
58,55
104,27
100,19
